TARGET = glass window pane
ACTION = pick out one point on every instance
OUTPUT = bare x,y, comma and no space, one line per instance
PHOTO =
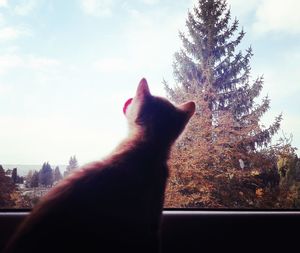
66,70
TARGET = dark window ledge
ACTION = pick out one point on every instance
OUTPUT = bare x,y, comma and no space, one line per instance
210,231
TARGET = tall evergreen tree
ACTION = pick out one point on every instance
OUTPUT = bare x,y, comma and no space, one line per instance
34,182
223,145
14,175
73,164
57,174
28,178
46,175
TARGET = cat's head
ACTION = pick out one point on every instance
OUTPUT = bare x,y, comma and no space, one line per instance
156,118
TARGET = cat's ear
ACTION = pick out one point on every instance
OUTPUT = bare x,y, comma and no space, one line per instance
188,108
143,89
127,103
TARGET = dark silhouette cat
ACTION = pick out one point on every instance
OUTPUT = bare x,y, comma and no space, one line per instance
113,205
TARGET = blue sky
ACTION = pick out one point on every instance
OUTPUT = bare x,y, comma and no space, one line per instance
67,67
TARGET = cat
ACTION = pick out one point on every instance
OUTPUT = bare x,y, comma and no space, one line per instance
113,205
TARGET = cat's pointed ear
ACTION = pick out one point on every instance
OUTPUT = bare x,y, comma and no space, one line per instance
127,103
143,89
188,108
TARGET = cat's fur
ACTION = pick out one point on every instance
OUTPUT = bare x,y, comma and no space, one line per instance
113,205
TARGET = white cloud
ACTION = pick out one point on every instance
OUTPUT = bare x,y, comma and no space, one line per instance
269,15
8,33
241,8
286,74
152,39
3,3
280,82
12,33
41,63
277,16
150,2
97,8
112,65
2,19
14,61
4,89
25,7
8,62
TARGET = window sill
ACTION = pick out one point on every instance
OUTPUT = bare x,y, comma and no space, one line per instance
209,231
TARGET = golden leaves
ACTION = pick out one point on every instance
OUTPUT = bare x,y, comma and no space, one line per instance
259,192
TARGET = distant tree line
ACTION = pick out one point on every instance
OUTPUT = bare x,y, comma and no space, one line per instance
11,192
16,178
7,187
47,177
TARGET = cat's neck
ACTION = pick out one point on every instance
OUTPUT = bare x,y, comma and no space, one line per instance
145,148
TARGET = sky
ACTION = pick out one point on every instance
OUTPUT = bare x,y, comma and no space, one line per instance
67,67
